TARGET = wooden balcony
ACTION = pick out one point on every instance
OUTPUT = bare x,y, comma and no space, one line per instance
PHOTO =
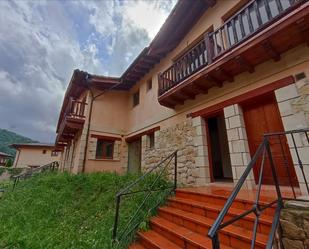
73,121
261,30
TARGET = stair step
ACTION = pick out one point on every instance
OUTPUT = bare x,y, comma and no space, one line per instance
201,224
183,237
153,240
137,246
212,210
220,200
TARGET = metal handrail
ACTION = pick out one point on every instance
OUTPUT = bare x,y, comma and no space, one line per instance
51,166
263,150
129,190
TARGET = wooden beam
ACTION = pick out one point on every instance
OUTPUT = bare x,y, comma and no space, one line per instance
271,51
243,63
271,87
210,3
303,29
143,66
200,88
131,77
214,80
138,74
177,99
150,60
225,74
167,103
187,94
140,70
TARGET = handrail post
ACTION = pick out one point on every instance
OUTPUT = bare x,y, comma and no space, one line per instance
215,242
209,48
116,217
175,171
272,165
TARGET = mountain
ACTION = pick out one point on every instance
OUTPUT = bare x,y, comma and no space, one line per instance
9,137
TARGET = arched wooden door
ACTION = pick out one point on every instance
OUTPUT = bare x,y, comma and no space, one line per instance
262,116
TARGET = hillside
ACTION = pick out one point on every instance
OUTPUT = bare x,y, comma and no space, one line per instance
63,211
9,137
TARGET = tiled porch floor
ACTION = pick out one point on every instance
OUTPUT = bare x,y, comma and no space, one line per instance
268,192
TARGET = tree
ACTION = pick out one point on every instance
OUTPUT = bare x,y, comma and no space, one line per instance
9,163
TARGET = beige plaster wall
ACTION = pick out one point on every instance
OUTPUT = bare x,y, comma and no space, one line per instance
114,114
34,157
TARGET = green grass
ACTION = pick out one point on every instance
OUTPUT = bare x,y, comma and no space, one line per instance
67,211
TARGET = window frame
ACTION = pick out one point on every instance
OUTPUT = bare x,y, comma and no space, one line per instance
135,100
54,153
105,144
149,85
151,141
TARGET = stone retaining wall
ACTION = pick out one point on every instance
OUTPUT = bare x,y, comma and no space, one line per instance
295,225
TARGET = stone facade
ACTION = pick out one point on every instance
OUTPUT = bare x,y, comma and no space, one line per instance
186,137
238,143
294,110
295,225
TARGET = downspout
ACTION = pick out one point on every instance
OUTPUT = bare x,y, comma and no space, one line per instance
93,98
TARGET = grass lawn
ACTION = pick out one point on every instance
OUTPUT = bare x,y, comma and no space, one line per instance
66,211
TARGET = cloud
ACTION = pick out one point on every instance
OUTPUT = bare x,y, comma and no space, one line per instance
42,42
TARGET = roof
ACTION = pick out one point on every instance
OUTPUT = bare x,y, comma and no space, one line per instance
32,145
177,25
2,154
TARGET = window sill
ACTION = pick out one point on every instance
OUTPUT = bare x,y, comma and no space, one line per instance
105,159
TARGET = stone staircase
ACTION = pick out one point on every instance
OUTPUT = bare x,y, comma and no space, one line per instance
185,220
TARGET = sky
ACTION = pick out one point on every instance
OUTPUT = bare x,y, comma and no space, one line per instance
42,42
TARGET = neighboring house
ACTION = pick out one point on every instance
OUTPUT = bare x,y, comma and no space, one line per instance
35,154
218,75
4,158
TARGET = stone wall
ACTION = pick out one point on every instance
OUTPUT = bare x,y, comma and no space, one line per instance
293,102
295,225
238,143
181,137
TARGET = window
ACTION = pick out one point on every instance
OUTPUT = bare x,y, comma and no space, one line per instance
44,152
136,98
150,140
149,84
105,149
54,153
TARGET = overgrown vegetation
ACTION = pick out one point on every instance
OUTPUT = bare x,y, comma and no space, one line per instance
59,210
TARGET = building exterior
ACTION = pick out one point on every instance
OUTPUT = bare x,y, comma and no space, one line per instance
32,155
4,158
210,84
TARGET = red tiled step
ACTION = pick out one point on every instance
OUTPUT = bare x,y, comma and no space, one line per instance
153,240
211,210
233,236
220,200
137,246
183,237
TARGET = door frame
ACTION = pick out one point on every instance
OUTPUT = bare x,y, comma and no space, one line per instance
209,149
253,101
139,139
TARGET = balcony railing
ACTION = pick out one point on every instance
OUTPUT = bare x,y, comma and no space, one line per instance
248,21
75,109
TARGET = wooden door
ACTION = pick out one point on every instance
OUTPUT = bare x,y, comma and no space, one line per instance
262,116
134,156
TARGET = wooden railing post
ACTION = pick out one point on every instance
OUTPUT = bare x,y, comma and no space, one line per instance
209,48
